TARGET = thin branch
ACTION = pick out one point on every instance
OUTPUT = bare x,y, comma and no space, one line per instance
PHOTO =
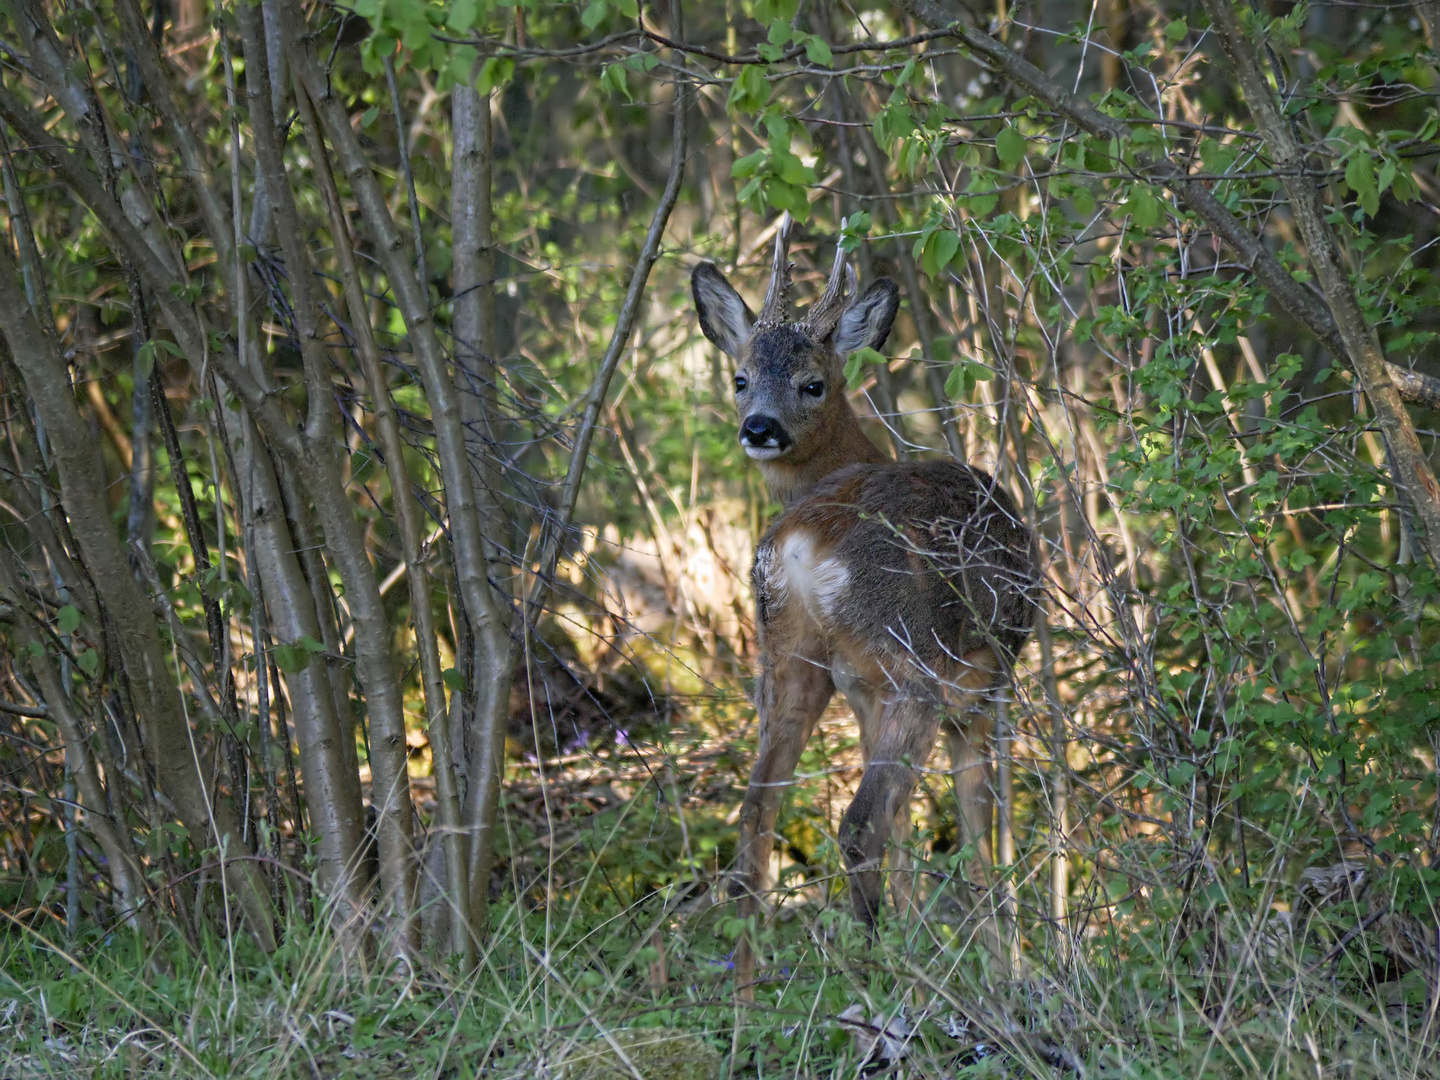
1359,343
1299,301
620,336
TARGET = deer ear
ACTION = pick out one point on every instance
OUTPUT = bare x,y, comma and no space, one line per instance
866,323
723,315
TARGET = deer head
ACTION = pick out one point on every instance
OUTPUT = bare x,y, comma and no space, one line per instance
789,375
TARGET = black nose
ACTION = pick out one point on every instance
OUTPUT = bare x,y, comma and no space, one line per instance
762,431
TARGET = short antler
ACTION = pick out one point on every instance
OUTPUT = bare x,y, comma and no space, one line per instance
773,313
820,320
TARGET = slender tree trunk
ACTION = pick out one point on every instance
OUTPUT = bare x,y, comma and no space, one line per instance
317,470
476,383
332,787
408,512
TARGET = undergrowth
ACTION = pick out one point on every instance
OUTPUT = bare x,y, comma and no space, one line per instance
591,975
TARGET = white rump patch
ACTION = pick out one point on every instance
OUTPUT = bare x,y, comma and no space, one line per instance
819,583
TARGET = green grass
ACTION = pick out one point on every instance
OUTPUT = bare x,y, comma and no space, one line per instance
571,986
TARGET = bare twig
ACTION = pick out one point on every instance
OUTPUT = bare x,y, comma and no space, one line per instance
619,337
1295,298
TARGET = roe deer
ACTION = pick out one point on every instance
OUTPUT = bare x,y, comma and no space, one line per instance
910,587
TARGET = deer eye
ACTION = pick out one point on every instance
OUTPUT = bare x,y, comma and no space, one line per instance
741,383
814,388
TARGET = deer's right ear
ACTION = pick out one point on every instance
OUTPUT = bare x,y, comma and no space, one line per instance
866,323
723,315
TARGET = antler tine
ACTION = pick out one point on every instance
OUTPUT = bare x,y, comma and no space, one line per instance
773,312
822,317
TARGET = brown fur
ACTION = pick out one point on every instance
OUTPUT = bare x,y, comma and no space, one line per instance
908,586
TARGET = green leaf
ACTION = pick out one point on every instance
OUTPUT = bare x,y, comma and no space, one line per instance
1177,29
89,662
453,679
612,78
817,51
855,365
981,205
290,659
494,72
747,165
955,382
785,196
367,121
794,171
963,377
462,62
68,618
1010,147
462,15
751,90
895,121
1387,175
415,33
1360,179
594,14
1084,201
1143,208
310,645
768,11
940,248
145,360
857,227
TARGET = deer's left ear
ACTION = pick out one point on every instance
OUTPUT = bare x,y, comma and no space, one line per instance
866,323
724,317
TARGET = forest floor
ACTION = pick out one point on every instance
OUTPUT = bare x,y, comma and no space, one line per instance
610,952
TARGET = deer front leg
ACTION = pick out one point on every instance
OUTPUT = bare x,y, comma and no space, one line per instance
905,739
793,691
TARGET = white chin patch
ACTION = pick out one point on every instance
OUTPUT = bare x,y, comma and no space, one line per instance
763,453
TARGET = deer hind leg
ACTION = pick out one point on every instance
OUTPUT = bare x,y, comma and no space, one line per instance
968,738
865,702
905,737
793,691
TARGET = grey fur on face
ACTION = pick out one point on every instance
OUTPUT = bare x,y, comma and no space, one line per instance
786,372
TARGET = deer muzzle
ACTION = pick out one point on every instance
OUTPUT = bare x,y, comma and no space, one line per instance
763,437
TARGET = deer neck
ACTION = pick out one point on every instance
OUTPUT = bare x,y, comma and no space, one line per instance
843,443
